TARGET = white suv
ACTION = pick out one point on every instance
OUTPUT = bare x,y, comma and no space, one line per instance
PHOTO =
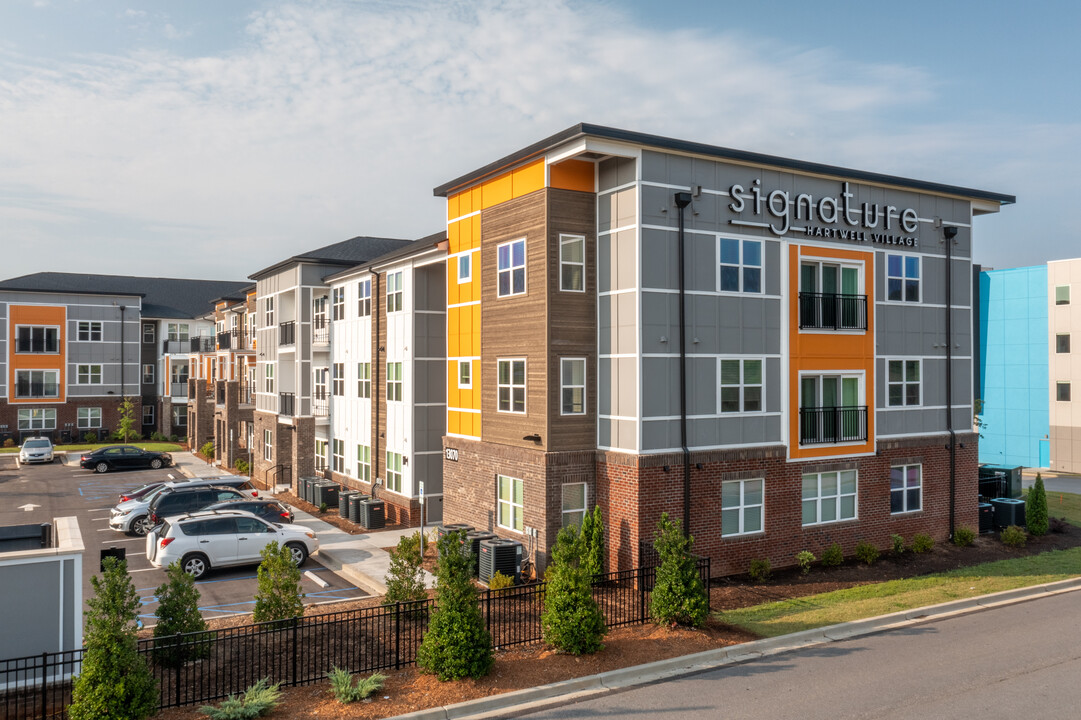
36,449
209,539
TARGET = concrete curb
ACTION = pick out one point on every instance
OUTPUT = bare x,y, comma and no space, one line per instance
568,691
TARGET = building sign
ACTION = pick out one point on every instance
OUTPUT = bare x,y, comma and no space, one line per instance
832,217
451,454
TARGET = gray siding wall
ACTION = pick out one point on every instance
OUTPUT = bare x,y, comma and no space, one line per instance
429,374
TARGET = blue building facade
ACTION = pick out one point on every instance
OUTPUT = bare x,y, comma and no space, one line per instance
1013,381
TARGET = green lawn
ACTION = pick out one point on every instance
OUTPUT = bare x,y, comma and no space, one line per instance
154,446
1060,504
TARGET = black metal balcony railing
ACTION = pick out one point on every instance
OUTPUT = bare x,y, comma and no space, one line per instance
25,389
175,347
320,402
247,394
320,331
287,333
220,393
286,404
827,425
832,311
225,341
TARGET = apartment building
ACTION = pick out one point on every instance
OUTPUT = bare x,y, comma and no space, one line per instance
775,351
1064,367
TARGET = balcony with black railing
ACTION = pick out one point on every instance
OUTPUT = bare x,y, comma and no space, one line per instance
225,341
320,331
287,333
832,425
320,403
832,311
247,394
286,404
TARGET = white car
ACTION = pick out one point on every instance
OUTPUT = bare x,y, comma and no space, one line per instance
36,449
209,539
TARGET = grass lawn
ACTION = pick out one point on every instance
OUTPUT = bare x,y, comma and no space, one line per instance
1060,504
154,446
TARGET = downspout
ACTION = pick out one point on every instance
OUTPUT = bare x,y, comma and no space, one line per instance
682,200
123,390
949,232
376,312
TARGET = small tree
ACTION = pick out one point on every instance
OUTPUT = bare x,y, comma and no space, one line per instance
593,538
115,682
457,643
177,613
1036,508
405,579
279,596
125,431
678,595
571,620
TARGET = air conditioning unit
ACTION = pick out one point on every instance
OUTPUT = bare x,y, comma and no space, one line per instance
1009,511
304,487
443,530
325,492
499,555
343,502
373,514
354,506
987,517
473,539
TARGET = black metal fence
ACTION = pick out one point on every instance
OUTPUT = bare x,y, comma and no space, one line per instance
303,650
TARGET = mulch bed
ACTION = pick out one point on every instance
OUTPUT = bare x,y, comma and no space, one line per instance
331,516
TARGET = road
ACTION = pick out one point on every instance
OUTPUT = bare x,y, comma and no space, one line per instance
1053,483
1020,661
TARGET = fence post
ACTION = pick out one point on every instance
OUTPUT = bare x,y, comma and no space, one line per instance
295,649
398,635
176,642
488,611
44,686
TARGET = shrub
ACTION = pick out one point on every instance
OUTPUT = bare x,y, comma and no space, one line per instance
157,437
866,552
207,450
241,466
174,438
1056,525
1036,508
90,438
964,536
9,443
257,700
345,690
571,620
833,556
898,544
405,578
593,538
678,595
499,581
760,569
279,596
322,508
115,681
804,558
922,543
1014,536
457,643
178,613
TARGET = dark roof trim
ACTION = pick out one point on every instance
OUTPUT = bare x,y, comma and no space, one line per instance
298,260
8,288
664,143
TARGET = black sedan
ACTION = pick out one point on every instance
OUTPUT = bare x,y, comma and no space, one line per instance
123,457
270,510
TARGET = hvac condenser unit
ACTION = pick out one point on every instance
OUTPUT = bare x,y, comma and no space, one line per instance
443,530
325,492
473,540
500,555
372,514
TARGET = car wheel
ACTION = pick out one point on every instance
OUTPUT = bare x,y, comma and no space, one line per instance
101,467
298,552
195,565
156,463
140,525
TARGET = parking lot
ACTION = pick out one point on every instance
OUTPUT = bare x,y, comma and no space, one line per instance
39,493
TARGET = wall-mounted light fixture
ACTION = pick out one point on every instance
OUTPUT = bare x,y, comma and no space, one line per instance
667,468
535,437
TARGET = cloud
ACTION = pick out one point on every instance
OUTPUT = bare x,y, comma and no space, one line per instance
332,119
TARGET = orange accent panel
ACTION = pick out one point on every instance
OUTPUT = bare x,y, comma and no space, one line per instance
51,315
572,175
506,186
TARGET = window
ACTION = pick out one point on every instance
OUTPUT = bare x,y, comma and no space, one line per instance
465,268
741,265
337,296
89,331
465,374
37,419
37,383
1062,391
320,383
364,303
572,263
394,292
510,259
268,312
320,455
511,386
394,471
148,333
179,372
364,463
1062,343
902,278
829,497
905,488
394,381
364,380
268,445
338,387
338,456
148,374
32,339
251,331
148,414
741,507
180,416
89,418
177,331
269,375
832,409
741,385
831,296
573,386
1062,294
574,504
511,503
319,312
903,382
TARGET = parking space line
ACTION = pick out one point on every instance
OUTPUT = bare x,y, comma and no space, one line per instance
97,519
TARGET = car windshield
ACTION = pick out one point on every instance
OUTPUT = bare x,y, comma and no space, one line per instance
37,444
149,497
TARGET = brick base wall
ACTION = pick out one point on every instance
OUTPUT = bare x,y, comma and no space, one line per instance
67,416
399,509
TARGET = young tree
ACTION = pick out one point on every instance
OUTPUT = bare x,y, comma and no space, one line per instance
405,579
571,620
115,682
177,613
457,643
125,432
1036,508
279,596
593,538
678,595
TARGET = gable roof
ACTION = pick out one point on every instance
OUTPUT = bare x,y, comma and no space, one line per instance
353,251
424,244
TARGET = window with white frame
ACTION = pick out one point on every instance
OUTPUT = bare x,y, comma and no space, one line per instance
1062,343
338,455
903,382
319,312
511,385
741,385
394,291
903,278
37,419
88,417
338,387
742,503
148,373
1062,391
177,331
510,268
148,333
741,265
394,471
572,263
572,383
364,463
89,331
268,376
510,503
37,339
37,383
574,504
320,376
832,409
465,267
1062,294
465,374
394,381
906,488
364,380
364,301
268,312
337,296
320,455
268,445
251,330
179,372
829,497
148,414
180,416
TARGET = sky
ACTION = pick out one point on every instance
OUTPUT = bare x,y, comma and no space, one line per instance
210,139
